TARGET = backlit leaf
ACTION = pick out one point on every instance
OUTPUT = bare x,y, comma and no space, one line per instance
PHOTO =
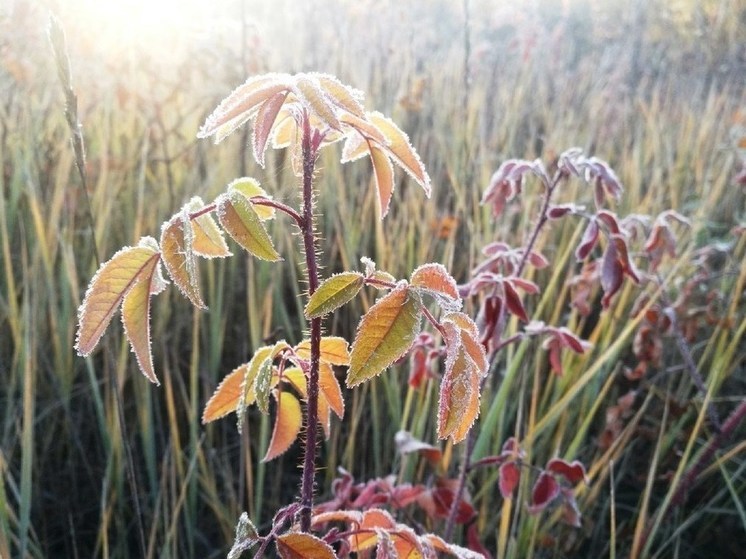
367,538
136,317
333,293
343,96
246,537
177,239
435,277
545,490
240,220
107,289
364,127
354,148
297,545
458,405
265,120
314,99
249,187
510,476
383,172
384,334
399,147
334,350
241,105
331,390
287,425
208,239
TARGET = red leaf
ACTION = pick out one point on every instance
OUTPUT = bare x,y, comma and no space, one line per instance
546,489
573,472
510,475
513,301
589,240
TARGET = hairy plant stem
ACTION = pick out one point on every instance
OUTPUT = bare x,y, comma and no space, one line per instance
471,438
309,148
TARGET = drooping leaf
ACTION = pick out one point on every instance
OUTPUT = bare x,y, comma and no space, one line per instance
263,385
177,238
265,120
383,172
136,317
355,147
406,443
545,490
297,545
384,334
458,405
297,378
208,240
331,390
242,104
240,220
510,476
107,289
333,293
399,147
287,425
309,91
334,350
249,187
589,240
365,128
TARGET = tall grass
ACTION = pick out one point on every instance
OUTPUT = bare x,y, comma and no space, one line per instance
645,93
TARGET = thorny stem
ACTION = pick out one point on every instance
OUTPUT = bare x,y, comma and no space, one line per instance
309,245
471,438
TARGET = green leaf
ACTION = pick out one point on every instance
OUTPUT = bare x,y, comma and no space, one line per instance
333,293
385,333
238,217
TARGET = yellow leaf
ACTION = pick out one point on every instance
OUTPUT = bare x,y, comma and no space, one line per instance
107,289
333,350
176,245
399,147
136,317
309,92
287,424
333,293
238,217
343,96
297,378
366,537
385,333
297,545
208,238
249,187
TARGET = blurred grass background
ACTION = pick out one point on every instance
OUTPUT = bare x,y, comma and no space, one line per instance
656,88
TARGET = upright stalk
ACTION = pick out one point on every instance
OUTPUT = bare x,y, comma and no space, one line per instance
309,149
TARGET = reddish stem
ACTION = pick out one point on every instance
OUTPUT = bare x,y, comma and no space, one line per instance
309,245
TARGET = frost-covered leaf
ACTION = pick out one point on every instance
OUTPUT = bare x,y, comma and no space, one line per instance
208,240
264,122
177,240
136,317
313,97
107,289
406,443
240,220
451,549
384,334
249,187
366,538
383,172
589,240
573,472
246,537
331,390
510,475
436,279
344,96
242,104
333,293
365,128
458,404
334,350
400,148
297,545
287,424
545,490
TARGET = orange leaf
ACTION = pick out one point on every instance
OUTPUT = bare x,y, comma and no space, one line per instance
297,378
297,545
364,127
331,390
333,350
348,516
435,278
458,405
383,171
385,333
136,317
176,244
399,147
287,424
324,415
107,289
367,537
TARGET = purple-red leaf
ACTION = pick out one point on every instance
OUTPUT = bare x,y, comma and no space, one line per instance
510,476
589,240
573,472
546,489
